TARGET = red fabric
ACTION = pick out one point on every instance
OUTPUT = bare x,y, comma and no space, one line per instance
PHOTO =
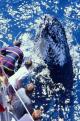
1,108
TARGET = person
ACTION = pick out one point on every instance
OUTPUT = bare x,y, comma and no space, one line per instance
22,92
16,80
23,95
3,105
14,99
12,58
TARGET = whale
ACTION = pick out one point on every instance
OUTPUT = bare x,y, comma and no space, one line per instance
55,51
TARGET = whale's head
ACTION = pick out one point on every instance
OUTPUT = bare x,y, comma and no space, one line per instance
52,41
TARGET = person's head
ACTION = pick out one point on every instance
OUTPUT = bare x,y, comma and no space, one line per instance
17,43
28,64
36,114
29,88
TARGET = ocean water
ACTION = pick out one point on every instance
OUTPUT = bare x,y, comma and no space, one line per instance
19,20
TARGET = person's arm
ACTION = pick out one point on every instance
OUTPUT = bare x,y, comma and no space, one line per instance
3,51
3,76
10,93
20,61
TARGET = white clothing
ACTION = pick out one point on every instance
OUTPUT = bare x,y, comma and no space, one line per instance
26,117
20,74
23,96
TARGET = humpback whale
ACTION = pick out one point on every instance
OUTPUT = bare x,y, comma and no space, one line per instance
55,51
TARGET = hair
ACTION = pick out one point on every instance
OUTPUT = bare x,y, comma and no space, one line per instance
28,91
28,64
17,43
